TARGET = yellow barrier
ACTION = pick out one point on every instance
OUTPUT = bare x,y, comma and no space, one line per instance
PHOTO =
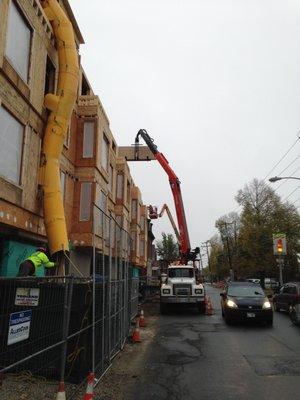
61,106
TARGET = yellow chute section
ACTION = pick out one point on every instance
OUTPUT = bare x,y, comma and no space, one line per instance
61,106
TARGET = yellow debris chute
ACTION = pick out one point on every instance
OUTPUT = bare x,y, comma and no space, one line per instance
61,105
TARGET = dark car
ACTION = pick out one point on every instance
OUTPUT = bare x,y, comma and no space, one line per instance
288,299
244,301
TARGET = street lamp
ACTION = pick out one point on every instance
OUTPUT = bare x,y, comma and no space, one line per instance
278,178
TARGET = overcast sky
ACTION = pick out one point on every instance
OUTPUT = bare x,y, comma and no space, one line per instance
215,82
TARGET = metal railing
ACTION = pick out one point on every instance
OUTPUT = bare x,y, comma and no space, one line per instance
62,328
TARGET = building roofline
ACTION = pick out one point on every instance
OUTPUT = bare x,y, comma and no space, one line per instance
73,20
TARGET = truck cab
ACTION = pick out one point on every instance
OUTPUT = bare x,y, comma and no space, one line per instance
181,286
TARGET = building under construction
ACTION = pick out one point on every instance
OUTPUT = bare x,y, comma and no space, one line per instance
95,177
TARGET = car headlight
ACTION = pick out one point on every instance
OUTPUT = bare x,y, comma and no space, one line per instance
266,305
231,304
166,291
198,291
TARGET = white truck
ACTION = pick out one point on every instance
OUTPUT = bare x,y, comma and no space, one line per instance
180,286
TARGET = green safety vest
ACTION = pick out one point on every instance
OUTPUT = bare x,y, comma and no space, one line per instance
39,259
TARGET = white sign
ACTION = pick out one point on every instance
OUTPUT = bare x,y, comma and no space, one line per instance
19,327
27,297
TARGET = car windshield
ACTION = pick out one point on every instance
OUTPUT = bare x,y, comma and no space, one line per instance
245,291
181,273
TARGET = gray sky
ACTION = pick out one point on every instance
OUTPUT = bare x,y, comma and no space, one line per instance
215,82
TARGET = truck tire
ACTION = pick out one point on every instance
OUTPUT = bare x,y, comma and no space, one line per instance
163,308
201,308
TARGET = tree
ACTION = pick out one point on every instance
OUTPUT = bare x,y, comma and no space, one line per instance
167,248
262,215
219,267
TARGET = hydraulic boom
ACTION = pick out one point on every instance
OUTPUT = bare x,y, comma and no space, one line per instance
184,240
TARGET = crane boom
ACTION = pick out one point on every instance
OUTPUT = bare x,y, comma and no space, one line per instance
166,208
185,247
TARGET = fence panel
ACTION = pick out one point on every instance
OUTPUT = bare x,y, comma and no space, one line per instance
64,327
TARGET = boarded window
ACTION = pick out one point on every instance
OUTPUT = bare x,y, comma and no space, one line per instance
104,152
120,186
85,201
18,42
88,140
11,142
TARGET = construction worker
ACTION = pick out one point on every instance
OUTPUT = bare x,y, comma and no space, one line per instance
38,259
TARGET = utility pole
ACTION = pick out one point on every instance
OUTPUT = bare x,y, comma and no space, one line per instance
208,259
228,252
201,262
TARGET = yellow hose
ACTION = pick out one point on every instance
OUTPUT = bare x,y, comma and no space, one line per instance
61,106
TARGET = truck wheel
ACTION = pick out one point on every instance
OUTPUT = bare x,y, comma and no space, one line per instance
201,308
163,308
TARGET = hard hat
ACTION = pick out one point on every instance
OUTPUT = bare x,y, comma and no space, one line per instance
42,249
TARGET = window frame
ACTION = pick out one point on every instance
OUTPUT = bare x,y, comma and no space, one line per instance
20,180
93,122
31,30
105,139
80,199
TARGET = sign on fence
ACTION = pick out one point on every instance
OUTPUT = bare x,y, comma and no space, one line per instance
27,297
19,327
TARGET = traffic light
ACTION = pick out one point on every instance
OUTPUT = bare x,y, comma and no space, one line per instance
279,246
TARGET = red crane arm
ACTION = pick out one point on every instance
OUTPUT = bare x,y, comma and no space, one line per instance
185,246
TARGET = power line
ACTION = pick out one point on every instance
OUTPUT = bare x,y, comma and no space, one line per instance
282,158
295,159
296,201
286,180
293,191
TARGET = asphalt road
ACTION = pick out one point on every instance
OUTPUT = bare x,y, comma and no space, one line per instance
199,357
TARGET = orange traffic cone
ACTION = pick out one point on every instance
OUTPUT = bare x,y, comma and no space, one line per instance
142,322
209,309
136,336
61,394
89,394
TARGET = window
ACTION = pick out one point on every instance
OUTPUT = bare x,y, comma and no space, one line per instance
63,184
102,204
11,143
133,243
104,153
18,42
111,179
142,248
85,88
88,140
50,77
120,184
142,222
181,272
85,201
134,209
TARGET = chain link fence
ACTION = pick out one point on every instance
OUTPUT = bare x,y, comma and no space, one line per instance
62,328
